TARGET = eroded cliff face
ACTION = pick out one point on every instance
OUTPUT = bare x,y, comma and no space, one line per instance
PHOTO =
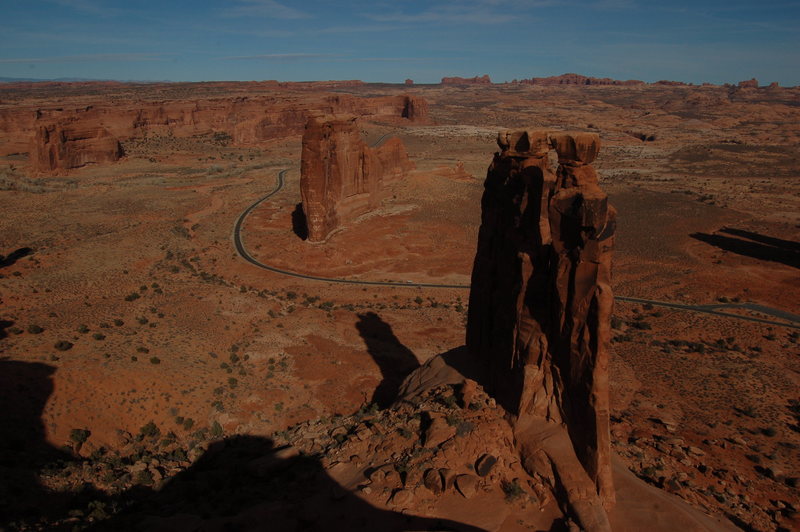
340,176
59,147
540,308
248,120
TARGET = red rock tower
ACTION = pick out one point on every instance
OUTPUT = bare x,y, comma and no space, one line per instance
341,177
540,308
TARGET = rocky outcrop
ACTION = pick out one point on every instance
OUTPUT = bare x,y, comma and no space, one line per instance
477,80
64,146
340,176
670,83
751,83
577,79
540,309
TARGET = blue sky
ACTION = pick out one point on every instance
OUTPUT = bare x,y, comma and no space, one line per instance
195,40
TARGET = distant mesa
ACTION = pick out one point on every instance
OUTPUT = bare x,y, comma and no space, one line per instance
341,177
477,80
577,79
748,84
409,81
67,145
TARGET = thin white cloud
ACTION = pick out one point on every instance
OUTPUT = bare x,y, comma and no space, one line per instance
264,8
403,59
278,57
91,7
465,12
86,58
614,4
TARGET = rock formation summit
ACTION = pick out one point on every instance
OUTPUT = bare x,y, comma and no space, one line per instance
341,177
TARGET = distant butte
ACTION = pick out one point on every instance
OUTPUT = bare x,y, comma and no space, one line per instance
340,176
577,79
482,80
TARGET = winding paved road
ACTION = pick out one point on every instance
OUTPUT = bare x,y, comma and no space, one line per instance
705,309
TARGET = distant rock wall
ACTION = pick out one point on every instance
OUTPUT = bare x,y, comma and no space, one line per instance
58,147
577,79
340,176
477,80
540,306
248,120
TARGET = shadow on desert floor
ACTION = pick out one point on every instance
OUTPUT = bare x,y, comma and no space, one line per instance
299,222
241,482
393,358
754,245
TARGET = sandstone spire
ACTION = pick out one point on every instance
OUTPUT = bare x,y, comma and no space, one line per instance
540,308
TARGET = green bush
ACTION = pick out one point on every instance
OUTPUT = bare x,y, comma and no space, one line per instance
150,429
79,435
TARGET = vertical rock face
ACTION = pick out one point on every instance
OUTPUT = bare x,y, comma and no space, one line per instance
340,176
541,301
63,146
415,108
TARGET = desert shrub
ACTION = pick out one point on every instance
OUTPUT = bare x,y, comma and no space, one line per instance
35,329
216,430
63,345
155,360
133,296
83,329
79,435
149,430
118,322
98,336
144,477
512,489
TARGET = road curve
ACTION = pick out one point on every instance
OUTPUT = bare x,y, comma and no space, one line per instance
705,309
